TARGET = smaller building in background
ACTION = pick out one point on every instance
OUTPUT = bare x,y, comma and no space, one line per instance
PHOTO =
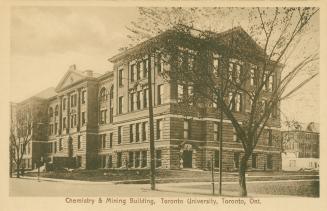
301,148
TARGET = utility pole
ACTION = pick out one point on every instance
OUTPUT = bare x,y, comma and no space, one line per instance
151,124
212,175
221,146
221,133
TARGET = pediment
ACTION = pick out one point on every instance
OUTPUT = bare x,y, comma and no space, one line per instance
70,78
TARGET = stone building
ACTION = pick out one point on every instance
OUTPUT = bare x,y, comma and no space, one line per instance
301,147
101,121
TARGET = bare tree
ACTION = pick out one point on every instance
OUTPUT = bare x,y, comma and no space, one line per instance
271,77
21,134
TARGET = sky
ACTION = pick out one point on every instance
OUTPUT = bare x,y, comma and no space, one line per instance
45,41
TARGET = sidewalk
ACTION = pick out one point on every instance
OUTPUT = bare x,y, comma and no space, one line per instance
226,180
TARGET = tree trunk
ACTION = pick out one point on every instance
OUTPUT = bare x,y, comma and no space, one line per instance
242,178
17,170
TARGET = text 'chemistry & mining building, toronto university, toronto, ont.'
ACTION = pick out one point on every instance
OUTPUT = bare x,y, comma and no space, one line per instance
101,121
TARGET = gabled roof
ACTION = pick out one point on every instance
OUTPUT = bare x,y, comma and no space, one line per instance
222,38
74,76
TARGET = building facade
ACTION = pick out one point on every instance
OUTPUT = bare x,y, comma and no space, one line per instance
301,148
101,121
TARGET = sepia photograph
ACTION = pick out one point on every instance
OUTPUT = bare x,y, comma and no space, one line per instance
164,105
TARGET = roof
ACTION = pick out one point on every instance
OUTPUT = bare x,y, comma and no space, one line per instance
47,93
312,127
221,38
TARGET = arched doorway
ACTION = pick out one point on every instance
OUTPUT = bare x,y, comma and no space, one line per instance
187,159
186,156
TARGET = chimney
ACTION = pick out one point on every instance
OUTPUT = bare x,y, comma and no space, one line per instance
72,67
88,73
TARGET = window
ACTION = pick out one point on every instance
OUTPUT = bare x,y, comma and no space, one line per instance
120,133
110,161
130,159
73,100
187,129
145,68
144,130
254,161
83,118
190,93
132,72
56,110
132,101
215,131
56,128
103,141
111,95
231,101
64,122
119,159
63,103
138,71
110,139
158,158
79,144
75,117
215,63
159,128
137,131
60,145
215,101
160,94
50,112
144,159
103,95
71,121
138,100
54,147
235,136
180,92
111,115
236,159
120,105
216,164
83,96
252,76
131,133
238,102
271,83
269,161
103,116
29,148
137,159
145,98
234,70
270,137
120,77
159,63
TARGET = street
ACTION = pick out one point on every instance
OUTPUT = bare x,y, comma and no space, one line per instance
279,188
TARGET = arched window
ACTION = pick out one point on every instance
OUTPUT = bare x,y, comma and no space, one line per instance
103,95
57,110
50,112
